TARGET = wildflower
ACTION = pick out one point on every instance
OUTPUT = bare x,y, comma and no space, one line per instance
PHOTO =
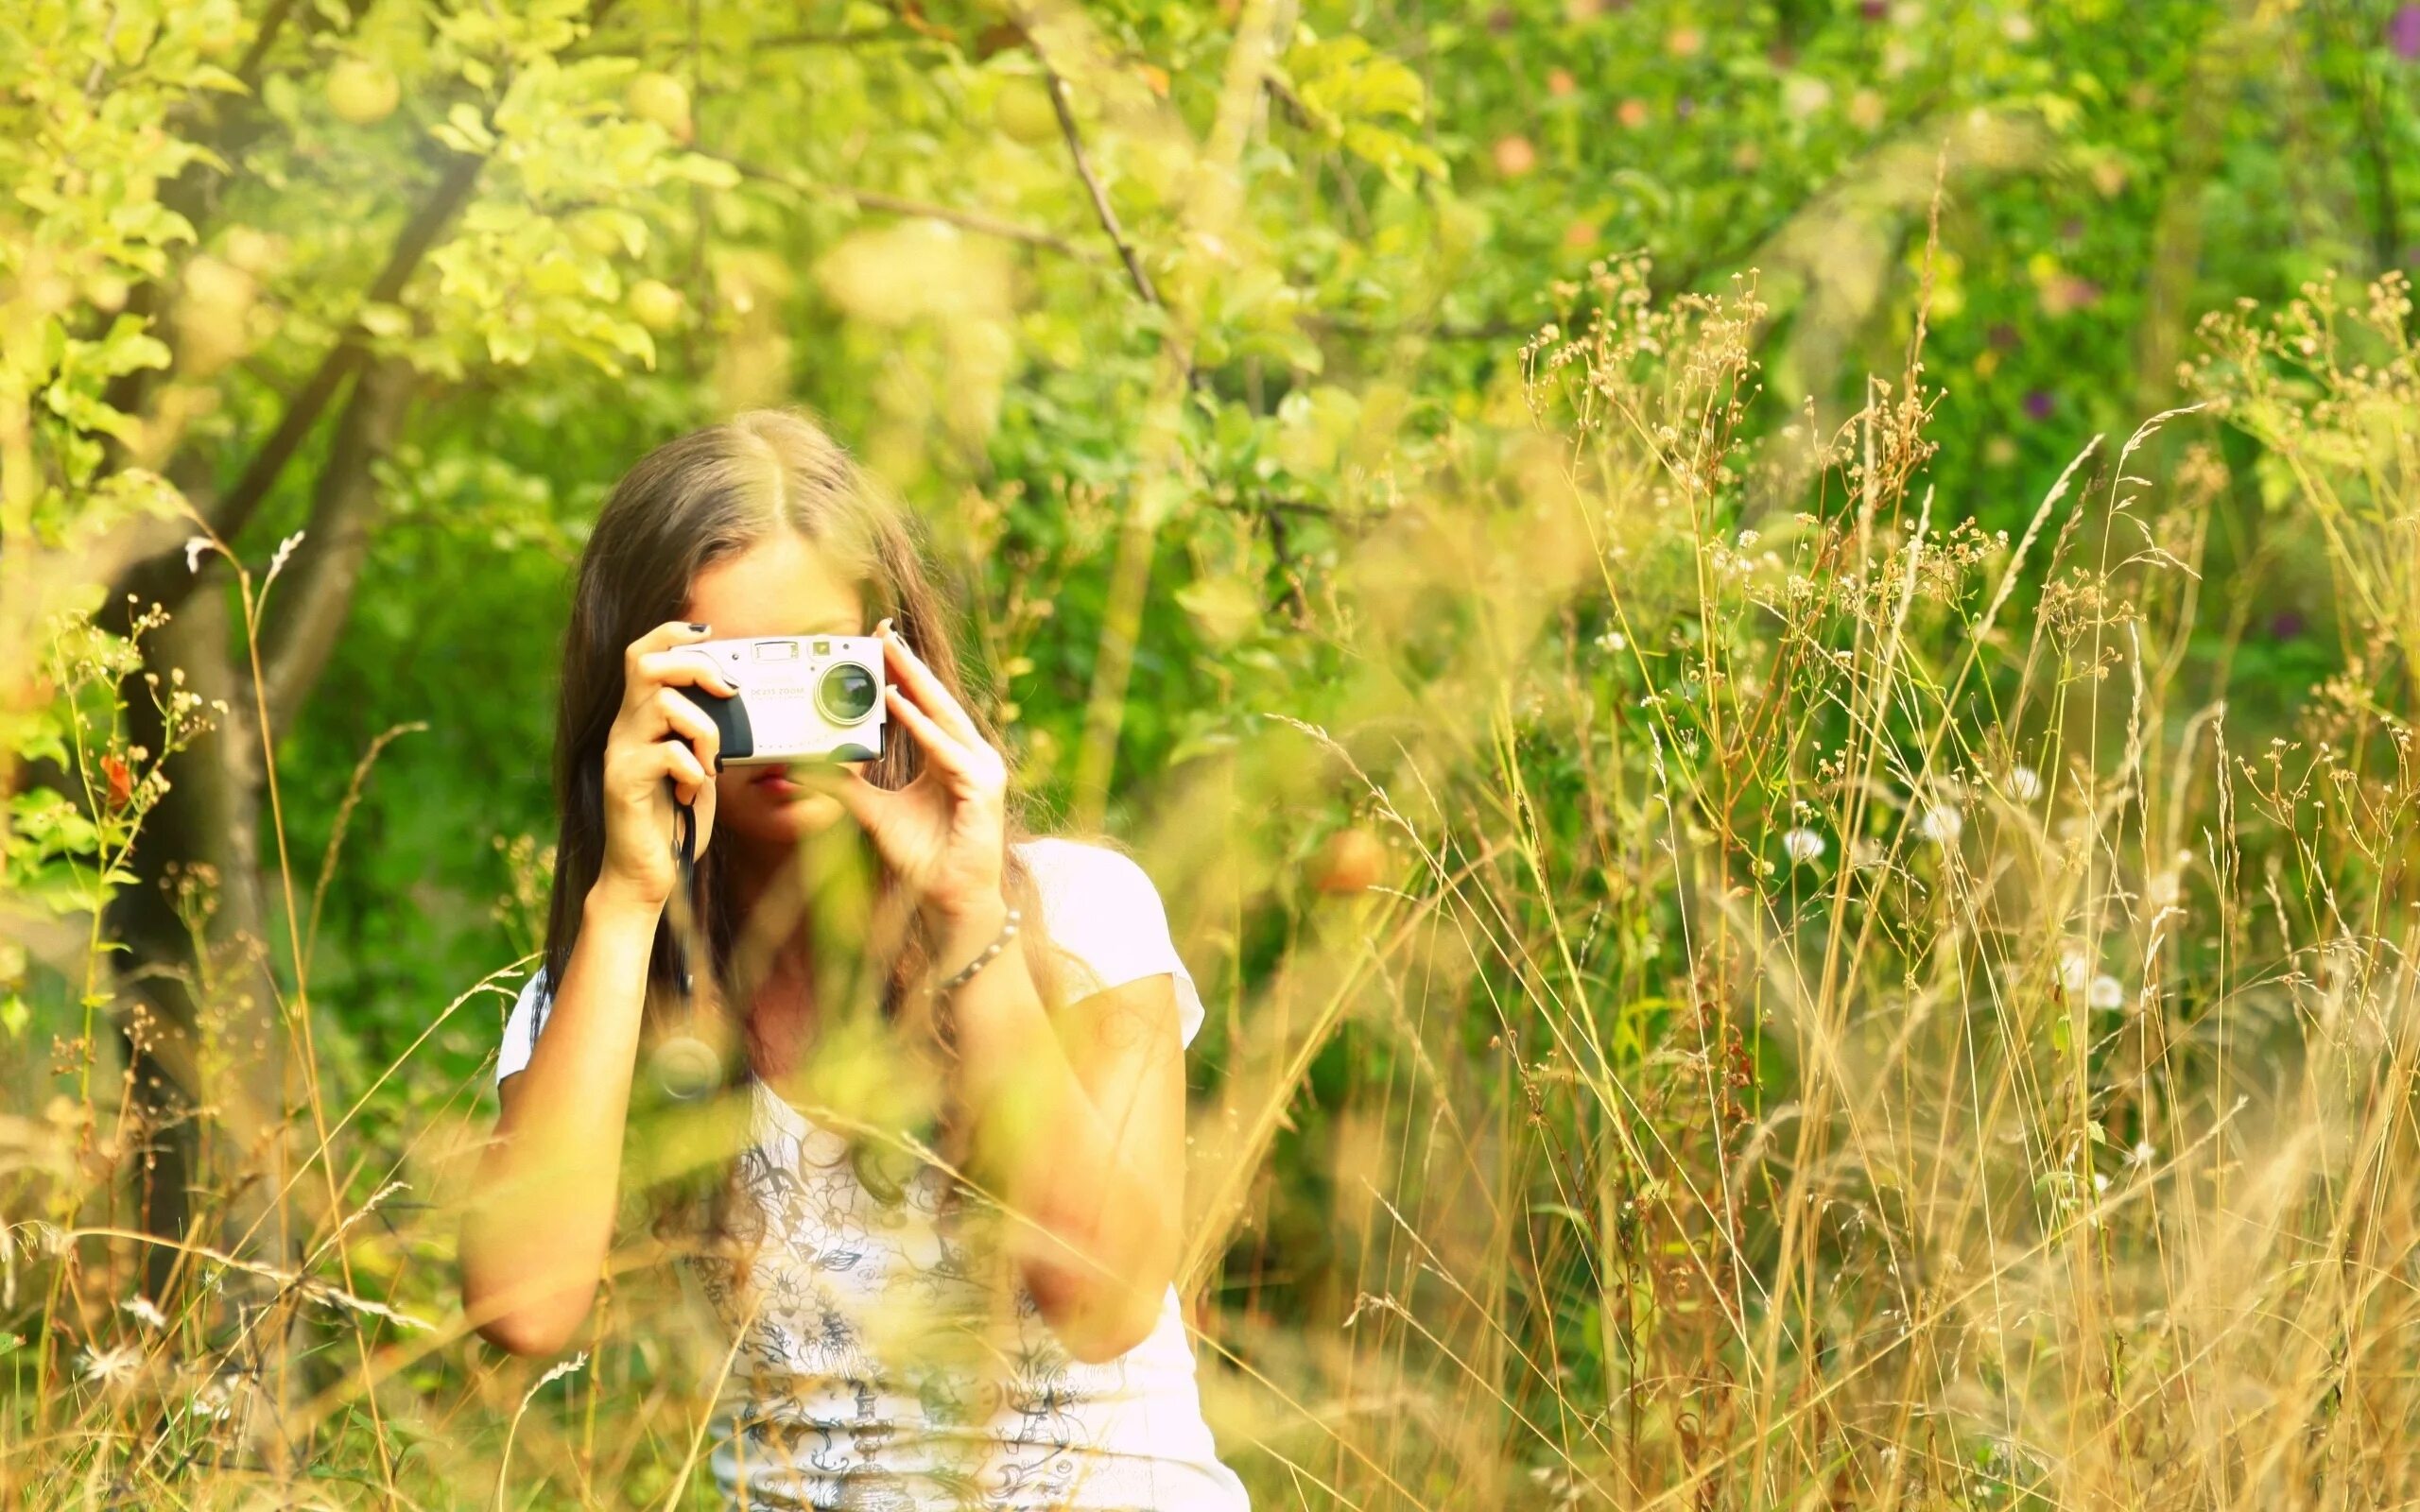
2100,1183
214,1399
2107,992
2143,1154
2024,784
285,549
112,1365
1802,846
2403,32
2039,404
2074,971
1613,641
194,546
1802,96
144,1310
1942,824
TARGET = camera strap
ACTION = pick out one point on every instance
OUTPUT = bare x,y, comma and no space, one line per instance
686,854
685,1066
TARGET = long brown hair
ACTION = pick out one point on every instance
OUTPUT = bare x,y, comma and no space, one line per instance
690,503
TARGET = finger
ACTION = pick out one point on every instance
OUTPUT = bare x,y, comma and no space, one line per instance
925,686
945,751
865,800
681,764
663,638
678,668
704,805
685,718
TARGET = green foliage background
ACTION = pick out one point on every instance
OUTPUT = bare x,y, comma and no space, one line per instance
1266,320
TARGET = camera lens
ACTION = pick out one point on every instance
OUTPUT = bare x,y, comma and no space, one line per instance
846,693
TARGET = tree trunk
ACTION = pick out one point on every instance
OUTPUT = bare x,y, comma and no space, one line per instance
197,1004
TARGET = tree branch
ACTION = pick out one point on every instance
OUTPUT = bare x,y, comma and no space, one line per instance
419,234
1274,518
1064,107
316,590
974,220
162,576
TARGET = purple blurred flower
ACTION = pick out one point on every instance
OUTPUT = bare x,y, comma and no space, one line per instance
1874,9
2403,32
2004,337
2039,403
1685,107
2285,625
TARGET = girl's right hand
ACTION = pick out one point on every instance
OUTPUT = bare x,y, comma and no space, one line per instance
659,733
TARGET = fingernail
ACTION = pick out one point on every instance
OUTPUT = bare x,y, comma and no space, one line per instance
700,629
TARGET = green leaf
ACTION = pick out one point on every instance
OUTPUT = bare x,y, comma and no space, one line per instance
712,172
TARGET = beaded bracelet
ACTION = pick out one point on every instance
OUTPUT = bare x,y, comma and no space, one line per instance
1008,933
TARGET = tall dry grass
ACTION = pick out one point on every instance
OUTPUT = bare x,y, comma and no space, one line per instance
1847,1018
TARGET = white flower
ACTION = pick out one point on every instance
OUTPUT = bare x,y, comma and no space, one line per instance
2107,992
285,549
2142,1154
144,1310
1613,641
2024,784
2074,971
214,1399
1941,824
112,1365
194,546
1802,846
2100,1182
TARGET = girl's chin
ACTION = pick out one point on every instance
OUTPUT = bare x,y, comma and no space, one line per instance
784,811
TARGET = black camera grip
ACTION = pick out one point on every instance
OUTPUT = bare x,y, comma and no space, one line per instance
731,719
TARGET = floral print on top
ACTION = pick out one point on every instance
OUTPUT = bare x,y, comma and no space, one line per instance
887,1359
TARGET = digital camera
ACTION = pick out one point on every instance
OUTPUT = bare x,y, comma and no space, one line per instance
801,698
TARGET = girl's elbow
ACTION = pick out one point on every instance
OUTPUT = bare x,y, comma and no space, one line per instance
522,1324
524,1334
1095,1317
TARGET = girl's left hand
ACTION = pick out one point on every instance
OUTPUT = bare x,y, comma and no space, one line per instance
945,836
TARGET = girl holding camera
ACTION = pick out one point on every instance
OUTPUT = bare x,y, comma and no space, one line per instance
985,1318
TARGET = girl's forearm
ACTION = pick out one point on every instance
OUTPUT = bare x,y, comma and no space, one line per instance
1095,1235
541,1218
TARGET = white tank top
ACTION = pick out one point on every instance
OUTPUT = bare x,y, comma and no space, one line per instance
878,1364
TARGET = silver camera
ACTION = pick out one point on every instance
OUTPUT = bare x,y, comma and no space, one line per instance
801,698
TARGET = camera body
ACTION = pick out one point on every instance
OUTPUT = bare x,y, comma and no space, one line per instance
801,698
